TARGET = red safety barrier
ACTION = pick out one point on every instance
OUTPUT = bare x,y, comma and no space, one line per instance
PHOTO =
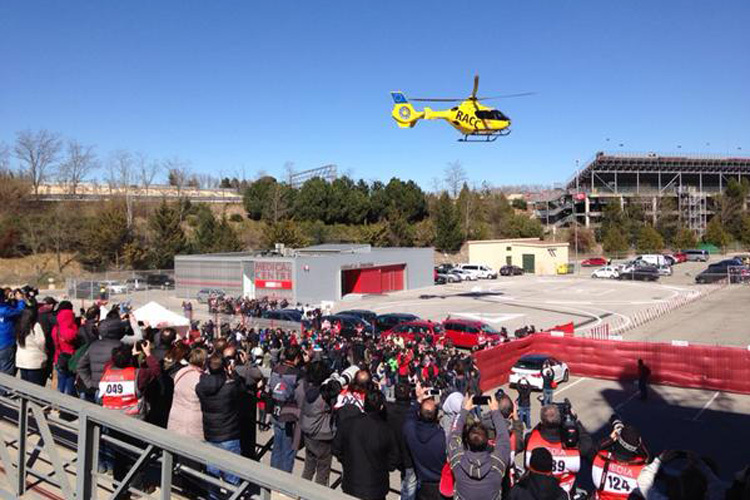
692,366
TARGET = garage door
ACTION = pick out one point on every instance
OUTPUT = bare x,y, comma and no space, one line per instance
373,280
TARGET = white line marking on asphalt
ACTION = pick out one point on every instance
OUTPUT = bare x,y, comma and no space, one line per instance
571,385
630,398
705,406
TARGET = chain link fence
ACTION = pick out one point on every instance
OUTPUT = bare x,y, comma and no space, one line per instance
132,287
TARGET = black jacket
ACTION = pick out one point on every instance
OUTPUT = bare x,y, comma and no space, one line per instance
537,487
427,446
367,450
220,403
398,412
586,445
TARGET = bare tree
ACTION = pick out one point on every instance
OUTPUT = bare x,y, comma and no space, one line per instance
454,176
38,152
147,170
4,157
178,173
121,176
79,161
289,171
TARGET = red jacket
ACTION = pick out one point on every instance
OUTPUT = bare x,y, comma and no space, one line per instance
64,333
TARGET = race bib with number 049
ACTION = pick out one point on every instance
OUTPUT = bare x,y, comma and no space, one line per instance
122,388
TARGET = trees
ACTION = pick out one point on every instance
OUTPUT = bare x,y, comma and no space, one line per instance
615,241
649,239
585,239
105,237
286,232
214,236
167,237
80,160
668,219
38,153
684,239
716,233
448,237
454,176
256,196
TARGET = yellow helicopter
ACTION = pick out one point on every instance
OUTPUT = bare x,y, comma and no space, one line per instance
476,122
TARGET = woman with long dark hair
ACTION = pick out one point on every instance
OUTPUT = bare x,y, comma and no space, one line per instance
31,353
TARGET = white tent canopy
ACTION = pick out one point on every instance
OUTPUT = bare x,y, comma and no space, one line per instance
157,316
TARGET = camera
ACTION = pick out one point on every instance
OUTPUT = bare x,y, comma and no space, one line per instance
568,425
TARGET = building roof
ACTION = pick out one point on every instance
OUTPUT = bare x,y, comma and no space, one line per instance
533,242
661,163
336,248
213,256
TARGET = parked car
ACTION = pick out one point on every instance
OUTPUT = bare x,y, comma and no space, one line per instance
511,270
694,255
530,367
367,315
609,272
385,322
664,270
444,268
464,275
412,331
448,278
594,262
636,272
480,270
656,260
293,315
162,281
114,287
440,279
349,323
679,257
135,284
725,269
469,333
206,293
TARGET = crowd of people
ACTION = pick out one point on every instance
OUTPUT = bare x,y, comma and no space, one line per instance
224,304
380,406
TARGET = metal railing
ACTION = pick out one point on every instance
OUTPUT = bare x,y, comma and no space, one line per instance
71,441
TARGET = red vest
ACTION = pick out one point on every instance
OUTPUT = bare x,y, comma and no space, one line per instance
565,461
118,390
615,480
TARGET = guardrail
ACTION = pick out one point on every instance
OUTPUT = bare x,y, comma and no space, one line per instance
71,446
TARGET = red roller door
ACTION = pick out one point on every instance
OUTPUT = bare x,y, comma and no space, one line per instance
373,280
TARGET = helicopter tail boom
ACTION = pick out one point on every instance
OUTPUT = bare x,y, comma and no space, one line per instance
403,112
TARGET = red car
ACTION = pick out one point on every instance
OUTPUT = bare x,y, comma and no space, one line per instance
595,262
680,257
410,330
469,333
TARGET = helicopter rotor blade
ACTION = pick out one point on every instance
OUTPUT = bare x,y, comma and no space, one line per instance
436,99
505,96
476,87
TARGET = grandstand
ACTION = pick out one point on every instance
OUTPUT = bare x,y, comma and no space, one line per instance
691,181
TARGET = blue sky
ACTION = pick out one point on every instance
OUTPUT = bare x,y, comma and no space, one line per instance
241,86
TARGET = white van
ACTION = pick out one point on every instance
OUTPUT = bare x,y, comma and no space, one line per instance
655,259
479,271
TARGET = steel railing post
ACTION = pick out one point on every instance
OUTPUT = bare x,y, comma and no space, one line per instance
87,450
23,427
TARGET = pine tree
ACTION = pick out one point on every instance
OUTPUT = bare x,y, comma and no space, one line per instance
167,236
203,237
649,239
225,237
615,241
448,237
685,239
716,234
105,237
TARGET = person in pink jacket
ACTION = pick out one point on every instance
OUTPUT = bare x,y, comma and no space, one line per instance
186,417
65,336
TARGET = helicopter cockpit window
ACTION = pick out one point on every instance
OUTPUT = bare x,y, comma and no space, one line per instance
493,114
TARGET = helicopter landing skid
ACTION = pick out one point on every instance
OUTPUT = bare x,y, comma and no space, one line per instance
483,137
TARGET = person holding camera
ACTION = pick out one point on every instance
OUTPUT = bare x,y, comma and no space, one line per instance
219,392
566,439
282,385
367,450
317,422
122,387
548,384
523,387
538,483
10,310
426,444
618,463
478,468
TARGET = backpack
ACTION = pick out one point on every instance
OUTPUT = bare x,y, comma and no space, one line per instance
282,386
76,357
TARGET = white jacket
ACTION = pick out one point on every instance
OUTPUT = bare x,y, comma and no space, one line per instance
33,355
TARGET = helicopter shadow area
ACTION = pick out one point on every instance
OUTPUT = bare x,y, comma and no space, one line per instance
713,424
